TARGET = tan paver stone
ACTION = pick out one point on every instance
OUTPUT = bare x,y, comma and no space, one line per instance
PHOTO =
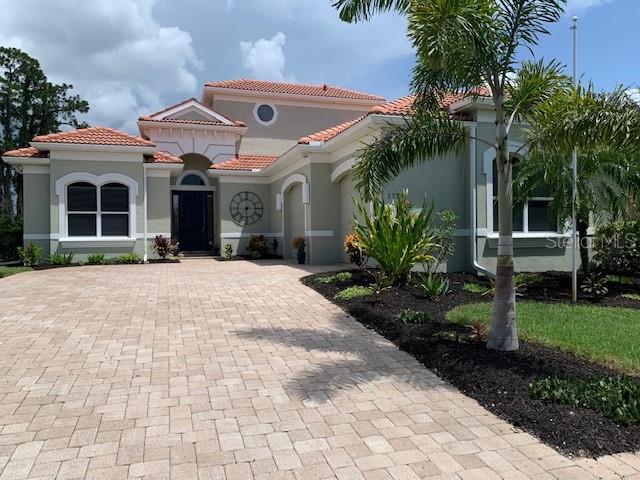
222,370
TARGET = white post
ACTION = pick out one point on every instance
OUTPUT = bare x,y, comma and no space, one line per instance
144,207
574,233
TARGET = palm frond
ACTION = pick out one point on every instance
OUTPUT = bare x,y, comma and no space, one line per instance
354,11
418,139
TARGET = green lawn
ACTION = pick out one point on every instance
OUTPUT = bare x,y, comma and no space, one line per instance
605,335
6,271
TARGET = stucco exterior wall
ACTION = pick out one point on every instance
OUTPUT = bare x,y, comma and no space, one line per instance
36,211
294,212
238,235
292,123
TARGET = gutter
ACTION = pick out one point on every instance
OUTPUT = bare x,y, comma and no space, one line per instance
473,210
144,215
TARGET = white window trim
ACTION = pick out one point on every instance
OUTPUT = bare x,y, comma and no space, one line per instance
98,180
261,122
488,159
197,173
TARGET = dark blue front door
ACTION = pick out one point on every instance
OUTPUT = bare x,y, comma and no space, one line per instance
194,221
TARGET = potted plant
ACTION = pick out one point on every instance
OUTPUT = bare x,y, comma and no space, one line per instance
299,244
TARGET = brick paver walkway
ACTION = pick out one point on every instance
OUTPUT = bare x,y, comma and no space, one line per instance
232,370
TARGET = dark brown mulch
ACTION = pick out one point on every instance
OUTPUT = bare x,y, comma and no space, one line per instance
498,381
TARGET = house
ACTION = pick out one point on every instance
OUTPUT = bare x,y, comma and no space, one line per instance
254,157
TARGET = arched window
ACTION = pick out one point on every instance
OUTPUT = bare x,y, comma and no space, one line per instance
192,179
97,212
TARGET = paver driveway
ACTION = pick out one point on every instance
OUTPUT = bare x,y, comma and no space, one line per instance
231,370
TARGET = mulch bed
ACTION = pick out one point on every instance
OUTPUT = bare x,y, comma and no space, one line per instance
498,381
234,258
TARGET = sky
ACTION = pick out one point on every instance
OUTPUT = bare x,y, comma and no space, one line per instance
133,57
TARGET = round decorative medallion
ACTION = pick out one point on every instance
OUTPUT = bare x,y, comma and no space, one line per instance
246,208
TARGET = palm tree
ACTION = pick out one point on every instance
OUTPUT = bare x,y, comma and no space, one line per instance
465,46
605,127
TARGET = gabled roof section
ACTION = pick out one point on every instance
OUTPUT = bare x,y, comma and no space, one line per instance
400,107
323,90
95,136
329,133
163,157
28,152
194,112
250,163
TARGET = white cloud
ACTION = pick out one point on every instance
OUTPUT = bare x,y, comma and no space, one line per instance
114,52
265,58
634,94
581,5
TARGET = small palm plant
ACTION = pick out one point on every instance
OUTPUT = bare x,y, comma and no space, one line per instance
397,236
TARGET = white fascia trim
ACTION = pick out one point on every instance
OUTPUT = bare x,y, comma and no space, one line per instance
237,235
171,167
189,105
19,161
477,102
251,95
83,147
235,129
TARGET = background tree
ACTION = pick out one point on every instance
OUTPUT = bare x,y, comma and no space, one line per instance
30,105
465,46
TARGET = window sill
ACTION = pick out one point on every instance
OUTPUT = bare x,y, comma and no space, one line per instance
89,242
540,235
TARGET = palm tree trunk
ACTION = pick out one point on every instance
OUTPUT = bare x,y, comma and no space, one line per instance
504,332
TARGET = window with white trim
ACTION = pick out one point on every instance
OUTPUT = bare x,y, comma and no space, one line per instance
98,211
533,216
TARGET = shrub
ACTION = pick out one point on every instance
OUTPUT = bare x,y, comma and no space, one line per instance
476,288
526,279
164,247
357,255
228,251
95,259
31,254
434,285
444,238
620,280
396,236
61,259
631,296
258,246
478,332
616,248
338,277
298,243
350,293
615,398
595,286
129,258
10,238
413,317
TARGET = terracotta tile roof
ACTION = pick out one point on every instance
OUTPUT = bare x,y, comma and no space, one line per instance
293,89
163,157
95,136
29,152
246,163
400,107
329,133
149,118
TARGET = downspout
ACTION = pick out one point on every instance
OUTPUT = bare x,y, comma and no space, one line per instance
144,214
473,207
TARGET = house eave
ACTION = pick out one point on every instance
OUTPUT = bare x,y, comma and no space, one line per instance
235,129
83,147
